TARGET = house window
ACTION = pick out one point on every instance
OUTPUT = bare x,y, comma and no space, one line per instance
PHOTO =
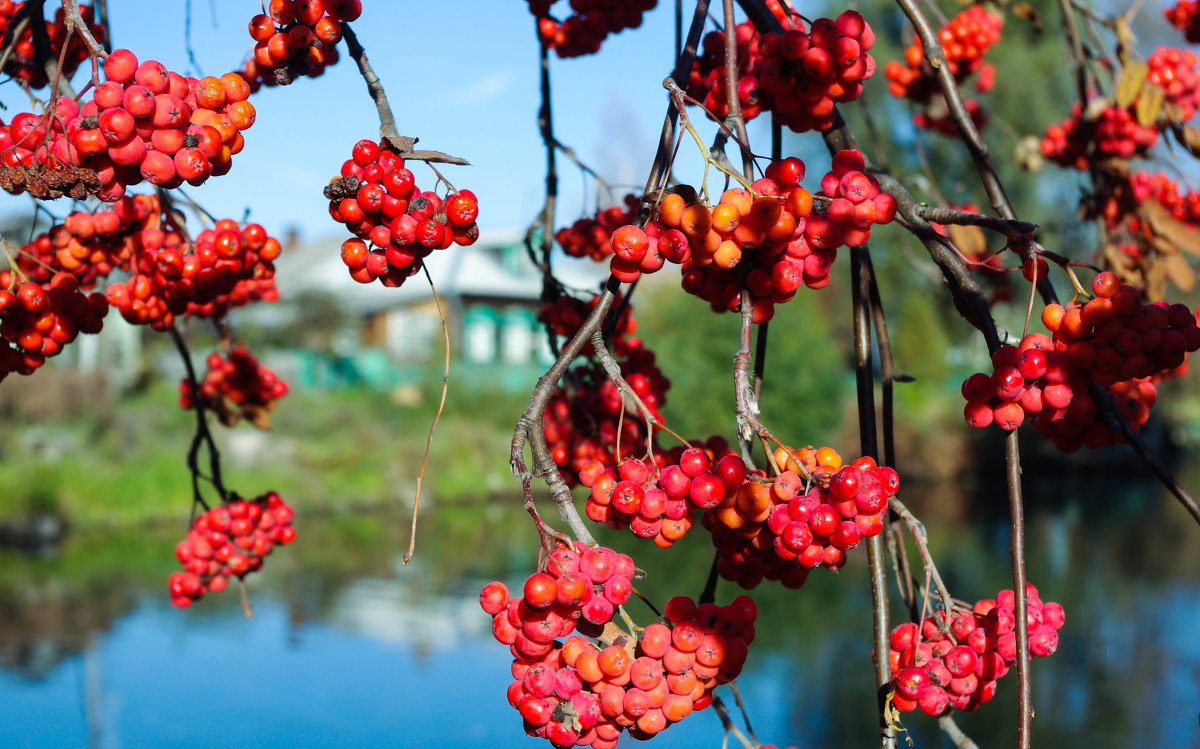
517,336
479,335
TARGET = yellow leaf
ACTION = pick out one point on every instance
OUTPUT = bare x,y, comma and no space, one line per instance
970,240
1133,75
1149,103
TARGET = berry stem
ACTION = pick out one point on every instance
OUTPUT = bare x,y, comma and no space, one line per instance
412,533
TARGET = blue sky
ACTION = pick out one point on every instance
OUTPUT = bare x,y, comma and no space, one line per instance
462,76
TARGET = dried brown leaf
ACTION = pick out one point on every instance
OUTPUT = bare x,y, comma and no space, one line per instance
1180,273
1163,225
1027,12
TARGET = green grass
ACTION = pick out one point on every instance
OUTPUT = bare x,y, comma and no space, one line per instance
326,450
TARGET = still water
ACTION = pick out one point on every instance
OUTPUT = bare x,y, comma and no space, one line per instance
349,648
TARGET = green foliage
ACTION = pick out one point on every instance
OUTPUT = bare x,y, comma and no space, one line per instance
805,385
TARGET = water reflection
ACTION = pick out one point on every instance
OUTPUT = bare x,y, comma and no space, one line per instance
347,648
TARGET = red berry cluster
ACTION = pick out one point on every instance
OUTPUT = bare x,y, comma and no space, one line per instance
565,315
657,501
38,318
584,693
228,540
1114,340
778,531
590,23
23,65
586,418
295,38
395,224
588,237
225,267
1115,131
236,386
798,76
1174,70
790,238
1183,16
143,123
1183,205
965,40
937,669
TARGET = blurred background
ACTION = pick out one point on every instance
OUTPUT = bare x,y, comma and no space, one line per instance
349,647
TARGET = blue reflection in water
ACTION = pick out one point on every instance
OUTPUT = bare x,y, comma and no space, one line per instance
397,663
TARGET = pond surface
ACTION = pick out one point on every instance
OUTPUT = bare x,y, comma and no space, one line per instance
349,648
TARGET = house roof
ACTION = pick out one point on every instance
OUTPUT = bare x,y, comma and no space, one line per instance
473,271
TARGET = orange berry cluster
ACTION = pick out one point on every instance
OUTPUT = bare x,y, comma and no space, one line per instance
965,40
590,23
296,38
657,501
229,540
789,238
143,123
38,318
1183,16
395,224
1114,340
224,267
234,387
938,669
1174,70
588,237
23,65
579,692
798,76
88,245
1115,132
778,531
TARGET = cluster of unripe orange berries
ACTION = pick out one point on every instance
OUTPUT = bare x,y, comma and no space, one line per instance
955,662
235,386
395,224
809,515
798,75
787,237
296,38
231,539
589,24
23,63
593,686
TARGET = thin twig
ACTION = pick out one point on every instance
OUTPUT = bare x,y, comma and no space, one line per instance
412,536
868,440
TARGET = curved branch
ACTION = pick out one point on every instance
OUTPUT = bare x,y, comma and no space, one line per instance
387,121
